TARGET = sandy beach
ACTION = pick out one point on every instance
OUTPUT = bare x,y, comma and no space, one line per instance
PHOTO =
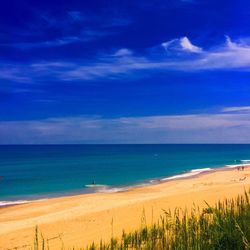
79,220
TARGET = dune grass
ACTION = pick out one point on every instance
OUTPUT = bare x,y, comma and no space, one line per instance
225,226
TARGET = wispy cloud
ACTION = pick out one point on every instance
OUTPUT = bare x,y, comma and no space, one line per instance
228,56
76,16
46,44
14,73
218,127
182,44
86,35
181,55
236,109
123,52
74,27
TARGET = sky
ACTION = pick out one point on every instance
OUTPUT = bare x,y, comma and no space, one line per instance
173,71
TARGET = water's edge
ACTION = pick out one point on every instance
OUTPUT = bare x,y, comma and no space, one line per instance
108,189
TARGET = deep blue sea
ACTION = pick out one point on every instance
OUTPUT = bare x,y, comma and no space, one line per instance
41,171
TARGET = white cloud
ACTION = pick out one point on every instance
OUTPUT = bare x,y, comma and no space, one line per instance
230,44
237,109
13,73
123,52
188,46
182,44
233,56
229,56
193,128
167,44
84,36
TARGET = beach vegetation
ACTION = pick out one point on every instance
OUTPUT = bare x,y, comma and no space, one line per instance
223,226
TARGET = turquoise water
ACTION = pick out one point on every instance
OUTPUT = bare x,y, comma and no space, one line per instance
31,172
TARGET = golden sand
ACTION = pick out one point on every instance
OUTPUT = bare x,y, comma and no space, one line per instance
79,220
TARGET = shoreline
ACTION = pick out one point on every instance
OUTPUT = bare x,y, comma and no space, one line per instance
82,219
193,173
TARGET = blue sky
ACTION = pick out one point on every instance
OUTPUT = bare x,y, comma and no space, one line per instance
173,71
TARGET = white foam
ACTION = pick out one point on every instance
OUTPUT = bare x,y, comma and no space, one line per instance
9,203
113,190
193,172
18,202
238,165
200,170
153,181
108,189
96,186
186,175
248,161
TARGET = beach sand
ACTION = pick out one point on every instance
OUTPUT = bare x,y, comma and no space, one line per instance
79,220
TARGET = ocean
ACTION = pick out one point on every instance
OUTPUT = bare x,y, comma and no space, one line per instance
31,172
